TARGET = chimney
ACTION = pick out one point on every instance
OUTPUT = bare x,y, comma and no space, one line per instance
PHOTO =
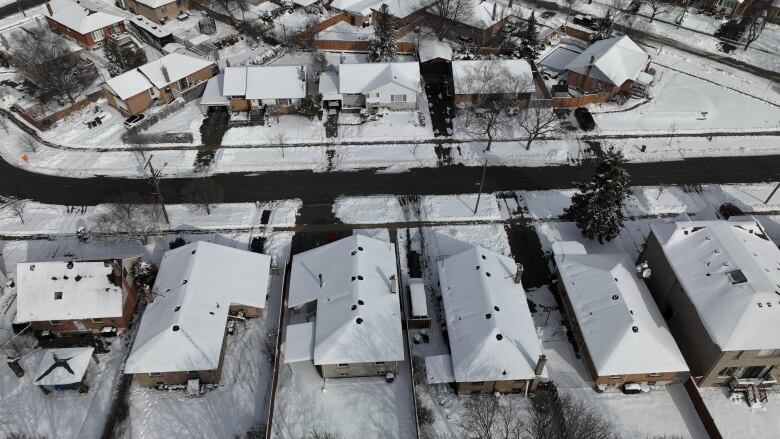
393,285
165,74
48,7
320,276
519,273
511,2
495,9
302,73
540,364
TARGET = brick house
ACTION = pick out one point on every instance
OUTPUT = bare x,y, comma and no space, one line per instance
62,298
717,284
199,287
161,80
87,27
615,323
360,12
349,288
158,10
492,337
611,65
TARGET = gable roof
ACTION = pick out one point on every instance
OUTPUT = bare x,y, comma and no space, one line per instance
184,327
265,82
623,329
67,290
491,332
129,84
80,19
63,366
730,271
358,309
396,8
492,76
364,77
178,65
615,60
481,15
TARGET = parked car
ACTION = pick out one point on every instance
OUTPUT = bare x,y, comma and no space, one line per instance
183,15
583,20
727,210
584,118
631,388
547,14
134,120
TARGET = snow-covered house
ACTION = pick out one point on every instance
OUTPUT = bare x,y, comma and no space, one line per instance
435,59
82,23
360,12
717,284
182,334
350,289
159,11
252,88
612,65
487,17
493,341
394,86
64,369
615,322
509,80
162,80
69,297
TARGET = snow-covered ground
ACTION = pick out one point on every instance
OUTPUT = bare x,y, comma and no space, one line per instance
736,420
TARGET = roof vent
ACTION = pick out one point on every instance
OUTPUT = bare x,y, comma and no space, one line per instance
477,267
360,248
176,309
360,302
359,321
184,282
353,307
496,308
32,267
70,265
353,253
211,312
504,372
193,252
484,257
360,277
488,316
353,278
615,297
499,337
487,274
175,328
635,328
77,278
58,295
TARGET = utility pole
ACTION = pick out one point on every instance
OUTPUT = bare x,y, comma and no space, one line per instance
156,182
481,184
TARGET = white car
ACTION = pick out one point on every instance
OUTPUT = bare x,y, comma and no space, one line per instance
183,15
134,120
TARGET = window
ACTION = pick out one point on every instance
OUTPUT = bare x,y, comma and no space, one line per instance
397,98
164,8
380,363
342,365
55,322
343,374
58,295
284,102
737,277
657,374
97,35
615,377
115,29
769,353
97,320
183,83
155,374
727,372
753,372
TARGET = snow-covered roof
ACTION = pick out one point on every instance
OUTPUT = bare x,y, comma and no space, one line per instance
730,270
275,82
417,293
68,290
615,60
155,3
358,309
485,14
212,94
304,2
235,81
492,76
183,328
178,65
432,48
80,19
396,8
129,84
365,77
55,364
438,369
299,343
620,322
329,85
568,248
156,29
492,336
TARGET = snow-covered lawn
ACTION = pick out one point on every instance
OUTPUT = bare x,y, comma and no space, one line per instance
382,209
735,420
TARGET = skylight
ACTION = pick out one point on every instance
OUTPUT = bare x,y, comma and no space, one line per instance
737,277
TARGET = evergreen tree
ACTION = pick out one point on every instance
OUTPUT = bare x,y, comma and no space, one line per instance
382,48
530,44
122,58
604,27
597,208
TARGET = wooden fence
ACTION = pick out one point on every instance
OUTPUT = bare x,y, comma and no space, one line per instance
360,46
43,122
701,409
579,101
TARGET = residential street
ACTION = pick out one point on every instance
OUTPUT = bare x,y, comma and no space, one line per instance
324,187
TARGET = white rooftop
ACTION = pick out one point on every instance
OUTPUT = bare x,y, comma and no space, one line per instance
438,369
492,336
396,8
156,29
432,48
67,291
358,310
265,82
485,14
299,343
329,85
366,77
212,94
55,363
615,60
183,328
129,84
80,19
417,293
620,322
178,65
155,3
492,76
731,273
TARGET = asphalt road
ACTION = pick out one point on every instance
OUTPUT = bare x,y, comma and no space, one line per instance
13,8
315,188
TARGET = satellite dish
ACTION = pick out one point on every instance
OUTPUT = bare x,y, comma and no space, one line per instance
646,273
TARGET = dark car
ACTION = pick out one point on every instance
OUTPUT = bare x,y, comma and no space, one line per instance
584,118
547,14
583,20
727,210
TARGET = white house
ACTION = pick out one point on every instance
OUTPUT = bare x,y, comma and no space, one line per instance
394,86
251,88
64,369
182,333
350,289
493,342
617,325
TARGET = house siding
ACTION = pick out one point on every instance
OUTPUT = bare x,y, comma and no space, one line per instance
489,387
133,105
83,39
168,11
352,370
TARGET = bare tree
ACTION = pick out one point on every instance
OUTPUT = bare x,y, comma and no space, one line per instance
132,215
658,7
13,205
479,416
29,142
203,193
555,415
307,37
280,138
756,24
46,59
229,6
446,14
537,122
4,122
490,85
569,6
